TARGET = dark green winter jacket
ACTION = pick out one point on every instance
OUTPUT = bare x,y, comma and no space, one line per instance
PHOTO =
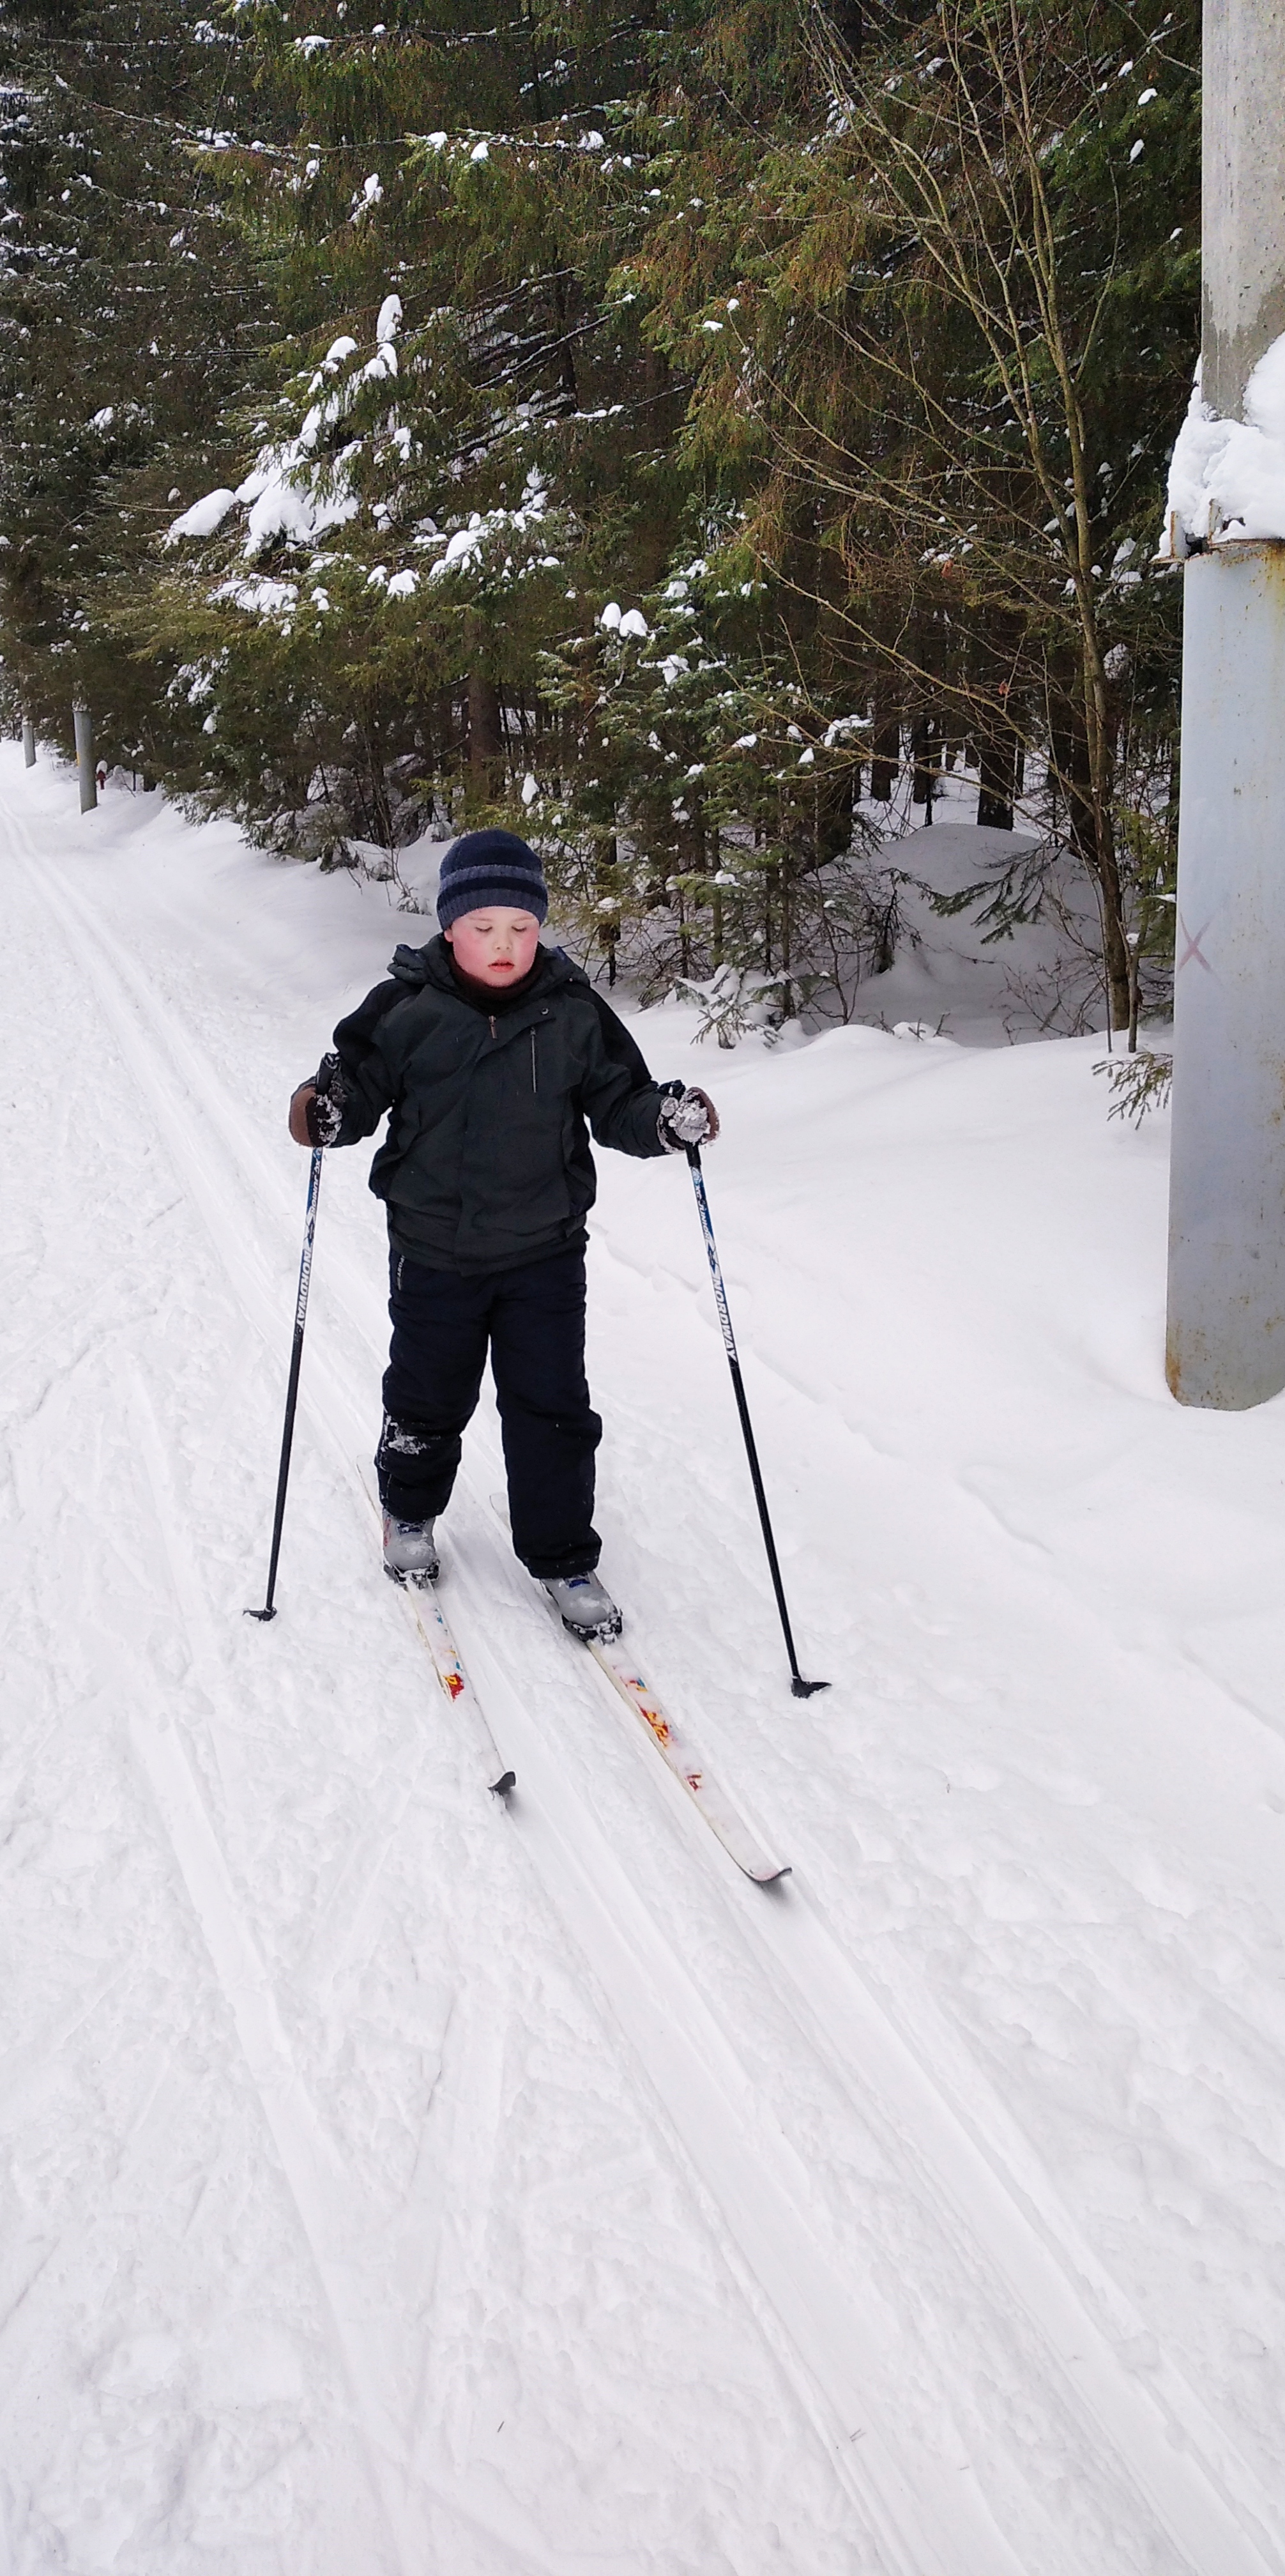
486,1162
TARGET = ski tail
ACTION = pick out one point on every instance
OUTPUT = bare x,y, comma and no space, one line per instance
433,1630
710,1799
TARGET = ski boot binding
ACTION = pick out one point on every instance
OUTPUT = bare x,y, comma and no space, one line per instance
585,1608
410,1554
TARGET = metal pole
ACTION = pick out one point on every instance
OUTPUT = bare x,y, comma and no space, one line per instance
800,1688
292,1385
28,742
1226,1320
84,724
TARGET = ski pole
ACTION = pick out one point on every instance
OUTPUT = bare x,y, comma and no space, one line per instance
292,1386
800,1688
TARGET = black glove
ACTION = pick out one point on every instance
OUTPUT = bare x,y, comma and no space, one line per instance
326,1108
687,1117
319,1105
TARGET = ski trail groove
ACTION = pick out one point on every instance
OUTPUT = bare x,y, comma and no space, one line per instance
979,2164
1199,2488
1012,2215
970,2148
315,2175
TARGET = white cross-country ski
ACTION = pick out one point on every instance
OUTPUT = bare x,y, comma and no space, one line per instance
712,1802
431,1623
433,1630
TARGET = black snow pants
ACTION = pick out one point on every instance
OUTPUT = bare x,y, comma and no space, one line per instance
533,1321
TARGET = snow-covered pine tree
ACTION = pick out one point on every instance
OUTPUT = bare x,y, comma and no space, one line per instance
704,817
515,430
128,318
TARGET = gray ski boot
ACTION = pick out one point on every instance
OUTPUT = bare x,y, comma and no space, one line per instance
585,1608
410,1555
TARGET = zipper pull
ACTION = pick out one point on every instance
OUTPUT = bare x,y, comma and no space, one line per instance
492,1020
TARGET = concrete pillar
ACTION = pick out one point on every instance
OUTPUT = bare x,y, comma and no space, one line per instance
85,759
28,742
1226,1320
1242,223
1226,1337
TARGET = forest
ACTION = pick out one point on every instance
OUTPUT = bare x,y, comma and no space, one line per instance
684,433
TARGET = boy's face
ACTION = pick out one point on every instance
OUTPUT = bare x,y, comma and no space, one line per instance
495,946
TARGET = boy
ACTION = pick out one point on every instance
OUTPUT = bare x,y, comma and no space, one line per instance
490,1052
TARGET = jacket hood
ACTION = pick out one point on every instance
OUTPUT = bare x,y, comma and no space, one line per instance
416,967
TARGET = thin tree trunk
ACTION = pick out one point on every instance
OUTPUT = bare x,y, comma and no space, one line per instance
485,736
1095,847
997,766
886,747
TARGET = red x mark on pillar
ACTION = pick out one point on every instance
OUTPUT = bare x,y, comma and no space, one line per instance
1193,947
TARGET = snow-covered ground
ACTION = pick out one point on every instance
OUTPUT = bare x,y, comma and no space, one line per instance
950,974
394,2185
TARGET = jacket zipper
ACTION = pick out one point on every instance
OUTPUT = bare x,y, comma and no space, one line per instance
491,1023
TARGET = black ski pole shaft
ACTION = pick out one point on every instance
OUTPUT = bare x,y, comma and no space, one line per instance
292,1384
801,1688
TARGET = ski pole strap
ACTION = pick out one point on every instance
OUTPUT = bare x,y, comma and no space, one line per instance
715,1267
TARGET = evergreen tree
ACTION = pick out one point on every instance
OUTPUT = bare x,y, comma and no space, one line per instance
516,427
653,429
953,323
126,308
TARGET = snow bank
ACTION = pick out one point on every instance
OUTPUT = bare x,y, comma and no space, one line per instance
1227,477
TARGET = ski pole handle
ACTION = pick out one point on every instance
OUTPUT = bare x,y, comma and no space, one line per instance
292,1386
802,1689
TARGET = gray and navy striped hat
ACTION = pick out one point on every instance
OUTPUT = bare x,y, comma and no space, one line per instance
490,867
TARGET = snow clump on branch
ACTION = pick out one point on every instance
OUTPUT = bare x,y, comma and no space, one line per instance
203,518
291,492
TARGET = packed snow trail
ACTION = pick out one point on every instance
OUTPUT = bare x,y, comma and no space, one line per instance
765,2234
678,2041
887,2264
186,2399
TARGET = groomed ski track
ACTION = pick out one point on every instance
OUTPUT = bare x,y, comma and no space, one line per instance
876,2214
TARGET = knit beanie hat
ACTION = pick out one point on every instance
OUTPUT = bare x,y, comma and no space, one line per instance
490,867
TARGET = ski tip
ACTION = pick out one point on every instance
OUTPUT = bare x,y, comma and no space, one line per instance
507,1780
804,1690
772,1877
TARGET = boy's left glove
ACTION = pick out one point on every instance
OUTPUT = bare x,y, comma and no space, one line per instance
687,1118
317,1107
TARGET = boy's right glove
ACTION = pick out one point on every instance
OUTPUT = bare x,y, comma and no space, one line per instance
687,1118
